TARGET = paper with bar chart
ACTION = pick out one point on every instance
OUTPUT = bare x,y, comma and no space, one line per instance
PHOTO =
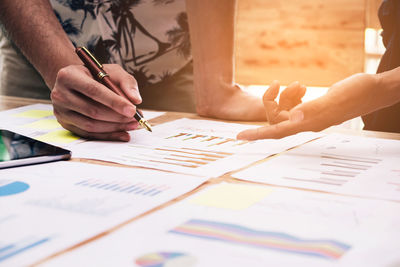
190,146
278,227
338,163
65,203
38,121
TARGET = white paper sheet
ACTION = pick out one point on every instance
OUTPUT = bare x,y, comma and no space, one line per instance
185,146
353,165
49,207
38,121
190,146
283,228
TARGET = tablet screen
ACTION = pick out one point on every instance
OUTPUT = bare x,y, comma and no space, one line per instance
16,149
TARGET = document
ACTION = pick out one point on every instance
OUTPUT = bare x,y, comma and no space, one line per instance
38,121
352,165
47,208
278,227
190,146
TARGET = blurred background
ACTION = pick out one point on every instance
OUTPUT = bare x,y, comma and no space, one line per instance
315,42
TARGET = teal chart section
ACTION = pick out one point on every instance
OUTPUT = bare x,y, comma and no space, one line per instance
12,187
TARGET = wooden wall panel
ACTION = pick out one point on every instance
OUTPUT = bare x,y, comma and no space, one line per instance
316,42
372,20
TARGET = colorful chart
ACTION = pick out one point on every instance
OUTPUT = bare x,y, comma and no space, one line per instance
166,259
239,235
183,157
34,114
142,189
208,140
59,137
11,188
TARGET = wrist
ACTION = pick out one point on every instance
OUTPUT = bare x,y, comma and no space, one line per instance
389,82
50,72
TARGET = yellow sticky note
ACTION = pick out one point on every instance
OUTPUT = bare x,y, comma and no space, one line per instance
46,124
34,114
59,136
232,196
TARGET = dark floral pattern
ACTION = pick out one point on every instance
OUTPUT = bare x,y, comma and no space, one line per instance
125,29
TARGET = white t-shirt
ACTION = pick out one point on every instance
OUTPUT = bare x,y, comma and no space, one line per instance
149,38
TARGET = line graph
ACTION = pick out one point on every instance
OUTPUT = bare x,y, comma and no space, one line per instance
240,235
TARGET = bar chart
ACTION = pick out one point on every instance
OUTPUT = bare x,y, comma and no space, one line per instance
335,169
206,140
335,163
140,188
103,197
184,157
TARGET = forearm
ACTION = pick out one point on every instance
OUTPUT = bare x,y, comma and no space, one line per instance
389,83
361,94
34,28
212,36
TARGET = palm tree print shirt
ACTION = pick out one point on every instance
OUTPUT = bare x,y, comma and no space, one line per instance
148,38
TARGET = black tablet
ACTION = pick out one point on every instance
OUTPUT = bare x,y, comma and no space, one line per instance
17,150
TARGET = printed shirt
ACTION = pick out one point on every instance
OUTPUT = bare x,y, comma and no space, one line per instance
148,38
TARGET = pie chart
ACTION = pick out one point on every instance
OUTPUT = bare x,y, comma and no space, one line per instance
8,188
166,259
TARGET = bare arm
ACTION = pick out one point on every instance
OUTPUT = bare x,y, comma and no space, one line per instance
354,96
211,26
34,28
81,104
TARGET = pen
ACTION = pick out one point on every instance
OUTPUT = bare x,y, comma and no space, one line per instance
96,69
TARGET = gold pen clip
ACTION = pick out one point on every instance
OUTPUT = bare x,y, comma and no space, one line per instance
92,57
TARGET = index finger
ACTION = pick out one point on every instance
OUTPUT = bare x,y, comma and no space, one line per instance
125,81
91,88
272,92
271,106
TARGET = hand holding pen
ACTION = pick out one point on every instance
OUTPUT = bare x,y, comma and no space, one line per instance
99,73
90,109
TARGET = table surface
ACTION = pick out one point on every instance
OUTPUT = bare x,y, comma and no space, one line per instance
7,102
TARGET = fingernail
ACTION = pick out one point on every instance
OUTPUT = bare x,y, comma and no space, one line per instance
129,111
241,136
296,116
124,137
137,94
